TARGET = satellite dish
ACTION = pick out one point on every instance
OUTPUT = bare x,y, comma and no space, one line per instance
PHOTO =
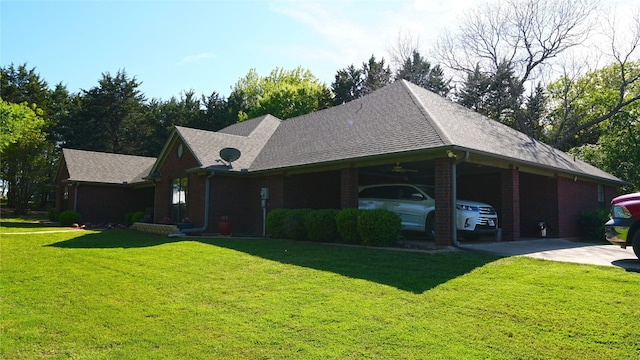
230,155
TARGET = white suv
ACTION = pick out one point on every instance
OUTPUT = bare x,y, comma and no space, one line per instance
415,206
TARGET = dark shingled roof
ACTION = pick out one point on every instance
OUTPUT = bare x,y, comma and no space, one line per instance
106,168
249,137
400,117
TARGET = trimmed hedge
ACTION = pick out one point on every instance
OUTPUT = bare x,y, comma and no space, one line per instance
275,223
294,224
592,224
347,226
321,225
351,226
379,227
53,214
69,217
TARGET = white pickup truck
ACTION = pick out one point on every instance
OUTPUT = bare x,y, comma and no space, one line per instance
416,207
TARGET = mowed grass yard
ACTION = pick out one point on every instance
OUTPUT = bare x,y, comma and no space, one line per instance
128,295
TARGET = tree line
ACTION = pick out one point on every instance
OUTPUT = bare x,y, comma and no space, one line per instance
591,114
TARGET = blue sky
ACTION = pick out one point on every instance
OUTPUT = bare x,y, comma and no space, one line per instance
171,46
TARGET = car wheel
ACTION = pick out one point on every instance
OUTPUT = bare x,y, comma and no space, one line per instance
636,243
430,227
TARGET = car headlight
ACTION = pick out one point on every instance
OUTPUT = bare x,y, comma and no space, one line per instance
620,212
467,207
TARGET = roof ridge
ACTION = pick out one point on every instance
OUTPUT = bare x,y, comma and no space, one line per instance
428,115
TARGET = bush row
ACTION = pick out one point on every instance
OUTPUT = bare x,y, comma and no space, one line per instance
351,226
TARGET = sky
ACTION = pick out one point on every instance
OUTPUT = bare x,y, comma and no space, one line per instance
208,45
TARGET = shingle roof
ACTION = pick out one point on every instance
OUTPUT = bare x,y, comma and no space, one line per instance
400,117
381,123
467,129
249,137
107,168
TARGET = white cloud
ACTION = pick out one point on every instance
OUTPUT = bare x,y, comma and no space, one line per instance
196,59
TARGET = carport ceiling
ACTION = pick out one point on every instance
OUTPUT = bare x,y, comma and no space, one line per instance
422,169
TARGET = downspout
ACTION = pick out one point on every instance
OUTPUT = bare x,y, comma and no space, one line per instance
75,196
206,207
454,198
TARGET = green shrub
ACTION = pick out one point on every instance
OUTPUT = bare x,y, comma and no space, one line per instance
53,214
379,227
294,224
347,225
592,224
128,218
69,217
137,216
321,225
275,223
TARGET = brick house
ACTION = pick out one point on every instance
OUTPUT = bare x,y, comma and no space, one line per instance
400,133
103,187
318,160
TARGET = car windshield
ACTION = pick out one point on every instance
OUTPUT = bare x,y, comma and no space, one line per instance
427,190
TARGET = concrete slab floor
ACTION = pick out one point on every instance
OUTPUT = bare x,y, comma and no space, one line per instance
561,250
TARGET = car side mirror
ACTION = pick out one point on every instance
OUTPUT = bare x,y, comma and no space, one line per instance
417,196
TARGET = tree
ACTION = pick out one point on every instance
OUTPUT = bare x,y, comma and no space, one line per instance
376,75
351,83
418,70
524,33
617,151
24,151
110,117
20,85
284,94
347,85
581,107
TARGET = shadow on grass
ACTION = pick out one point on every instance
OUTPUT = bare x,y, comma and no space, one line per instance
112,239
25,224
408,271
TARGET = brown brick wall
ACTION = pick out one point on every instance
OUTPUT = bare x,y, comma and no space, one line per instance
443,226
574,198
510,204
538,202
320,190
109,204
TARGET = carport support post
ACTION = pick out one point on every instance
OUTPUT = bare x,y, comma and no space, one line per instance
349,188
444,203
510,204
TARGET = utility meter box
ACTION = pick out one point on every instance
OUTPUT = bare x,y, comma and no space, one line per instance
264,193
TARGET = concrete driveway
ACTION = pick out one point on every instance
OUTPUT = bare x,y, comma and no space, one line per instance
562,250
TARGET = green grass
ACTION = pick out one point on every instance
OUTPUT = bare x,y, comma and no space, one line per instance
128,295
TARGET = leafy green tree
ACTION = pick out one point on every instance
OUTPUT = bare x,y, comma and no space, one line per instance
351,83
284,94
376,75
347,85
581,107
618,149
474,91
110,117
25,153
418,70
21,85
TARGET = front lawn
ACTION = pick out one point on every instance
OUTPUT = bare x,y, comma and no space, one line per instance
128,295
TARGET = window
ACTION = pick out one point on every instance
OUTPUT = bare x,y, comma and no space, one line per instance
65,193
178,206
600,196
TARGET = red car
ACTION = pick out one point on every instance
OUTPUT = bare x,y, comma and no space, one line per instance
624,227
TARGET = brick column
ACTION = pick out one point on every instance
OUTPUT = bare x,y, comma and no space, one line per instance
444,207
510,223
349,188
